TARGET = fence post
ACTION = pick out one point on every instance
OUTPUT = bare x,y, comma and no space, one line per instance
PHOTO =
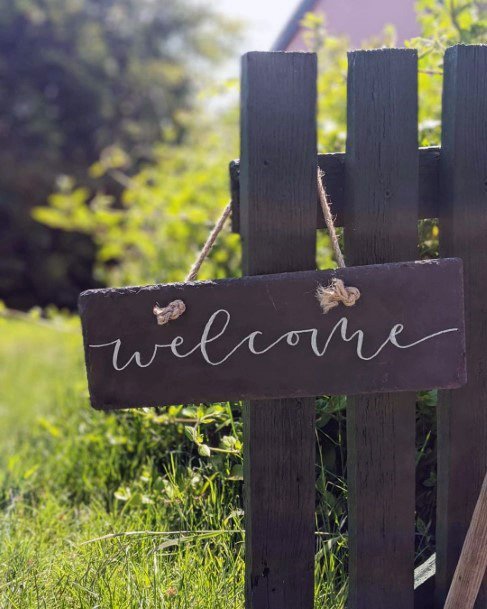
462,414
278,228
381,217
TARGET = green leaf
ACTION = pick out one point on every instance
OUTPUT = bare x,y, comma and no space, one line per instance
204,450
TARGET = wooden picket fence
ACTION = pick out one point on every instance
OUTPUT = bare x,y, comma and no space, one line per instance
379,189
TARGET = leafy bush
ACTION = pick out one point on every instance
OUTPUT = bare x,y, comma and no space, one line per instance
166,211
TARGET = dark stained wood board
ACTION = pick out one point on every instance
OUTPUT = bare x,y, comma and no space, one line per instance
278,234
426,297
381,226
333,165
462,414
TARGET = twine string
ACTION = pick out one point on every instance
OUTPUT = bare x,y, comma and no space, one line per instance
165,314
336,293
329,297
177,307
332,295
330,225
210,242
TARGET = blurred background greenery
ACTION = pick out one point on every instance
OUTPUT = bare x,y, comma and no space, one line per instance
87,84
118,122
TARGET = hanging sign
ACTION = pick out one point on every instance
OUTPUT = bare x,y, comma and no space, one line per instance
267,337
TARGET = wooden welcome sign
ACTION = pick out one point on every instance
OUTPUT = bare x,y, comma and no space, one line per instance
267,337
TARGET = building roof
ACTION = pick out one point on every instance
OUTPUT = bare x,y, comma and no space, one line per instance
292,26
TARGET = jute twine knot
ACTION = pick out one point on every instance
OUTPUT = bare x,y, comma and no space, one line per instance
336,293
166,314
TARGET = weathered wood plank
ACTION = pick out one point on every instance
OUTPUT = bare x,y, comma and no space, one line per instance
470,570
333,164
267,337
278,220
462,414
381,226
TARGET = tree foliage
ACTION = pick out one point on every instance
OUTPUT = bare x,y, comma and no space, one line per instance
83,79
166,211
81,75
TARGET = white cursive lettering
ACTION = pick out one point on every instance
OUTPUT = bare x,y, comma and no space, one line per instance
292,338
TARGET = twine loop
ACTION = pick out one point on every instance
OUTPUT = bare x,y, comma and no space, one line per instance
177,307
169,313
331,296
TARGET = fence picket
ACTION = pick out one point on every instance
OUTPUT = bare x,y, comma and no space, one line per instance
381,212
462,414
278,227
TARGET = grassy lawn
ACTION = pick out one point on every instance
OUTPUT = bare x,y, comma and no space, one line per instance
111,511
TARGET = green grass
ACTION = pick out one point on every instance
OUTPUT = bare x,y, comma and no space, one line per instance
113,511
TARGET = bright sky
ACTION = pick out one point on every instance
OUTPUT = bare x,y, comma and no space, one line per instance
264,18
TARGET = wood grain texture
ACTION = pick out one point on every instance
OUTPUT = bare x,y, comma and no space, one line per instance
462,414
381,226
278,223
470,570
333,164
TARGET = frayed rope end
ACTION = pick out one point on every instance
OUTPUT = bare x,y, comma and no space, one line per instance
166,314
331,296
